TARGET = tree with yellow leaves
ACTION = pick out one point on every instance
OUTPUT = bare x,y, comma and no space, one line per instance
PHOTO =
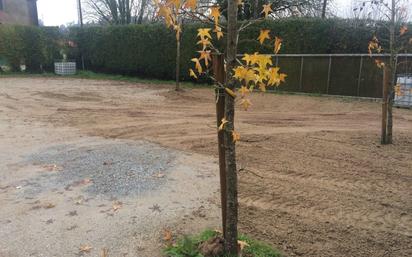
172,12
397,29
252,72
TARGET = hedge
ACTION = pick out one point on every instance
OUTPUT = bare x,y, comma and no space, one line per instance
33,46
149,49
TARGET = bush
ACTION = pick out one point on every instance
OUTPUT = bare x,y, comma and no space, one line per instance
149,50
33,46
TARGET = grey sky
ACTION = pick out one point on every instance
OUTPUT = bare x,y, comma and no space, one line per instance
58,12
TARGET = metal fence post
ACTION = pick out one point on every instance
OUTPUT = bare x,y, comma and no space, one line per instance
301,75
329,69
360,75
219,75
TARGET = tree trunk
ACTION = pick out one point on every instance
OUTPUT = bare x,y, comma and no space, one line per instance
142,10
325,3
392,70
230,157
177,63
385,100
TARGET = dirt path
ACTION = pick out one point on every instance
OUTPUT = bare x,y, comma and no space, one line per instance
314,180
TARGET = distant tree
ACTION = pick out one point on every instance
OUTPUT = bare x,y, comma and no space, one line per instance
116,12
252,9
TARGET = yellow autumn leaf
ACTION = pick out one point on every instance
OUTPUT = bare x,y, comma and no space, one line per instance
198,66
398,90
85,248
230,92
403,30
239,2
247,58
282,77
167,235
267,9
215,13
204,33
245,103
205,55
243,90
190,4
218,31
205,42
264,34
192,73
379,63
235,136
278,44
117,205
263,60
242,244
175,3
222,124
273,75
262,87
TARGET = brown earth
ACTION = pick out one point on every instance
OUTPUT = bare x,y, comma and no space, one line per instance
314,180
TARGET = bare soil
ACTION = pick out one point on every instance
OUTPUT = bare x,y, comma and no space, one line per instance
314,180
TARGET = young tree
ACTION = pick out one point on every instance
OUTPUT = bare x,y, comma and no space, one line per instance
396,13
252,71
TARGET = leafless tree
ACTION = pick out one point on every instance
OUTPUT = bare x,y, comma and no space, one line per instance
116,12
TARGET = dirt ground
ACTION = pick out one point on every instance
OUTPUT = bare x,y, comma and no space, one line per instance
314,180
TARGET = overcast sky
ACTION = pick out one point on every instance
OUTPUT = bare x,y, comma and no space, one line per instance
58,12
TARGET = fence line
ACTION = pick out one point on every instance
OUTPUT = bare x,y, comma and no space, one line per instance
350,77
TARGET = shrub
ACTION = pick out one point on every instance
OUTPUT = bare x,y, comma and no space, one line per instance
33,46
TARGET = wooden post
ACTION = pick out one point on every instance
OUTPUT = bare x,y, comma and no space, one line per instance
385,102
219,74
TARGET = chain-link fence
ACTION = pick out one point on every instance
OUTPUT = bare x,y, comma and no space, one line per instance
337,74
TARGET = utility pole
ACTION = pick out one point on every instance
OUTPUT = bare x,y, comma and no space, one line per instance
79,6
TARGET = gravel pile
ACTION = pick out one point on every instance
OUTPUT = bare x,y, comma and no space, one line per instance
110,169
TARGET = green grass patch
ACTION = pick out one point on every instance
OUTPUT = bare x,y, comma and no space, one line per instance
188,246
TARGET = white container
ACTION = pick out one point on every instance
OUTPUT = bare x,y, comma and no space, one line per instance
403,91
65,68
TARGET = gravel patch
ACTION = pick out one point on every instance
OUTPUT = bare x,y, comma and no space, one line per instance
109,169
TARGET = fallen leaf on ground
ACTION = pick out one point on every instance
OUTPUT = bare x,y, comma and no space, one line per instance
105,252
155,207
51,167
85,248
117,205
158,175
167,235
49,206
242,244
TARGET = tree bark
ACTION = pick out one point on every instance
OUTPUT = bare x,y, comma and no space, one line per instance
385,99
230,156
392,69
142,10
325,3
178,37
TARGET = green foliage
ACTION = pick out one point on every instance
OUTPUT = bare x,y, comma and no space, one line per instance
187,246
33,46
150,50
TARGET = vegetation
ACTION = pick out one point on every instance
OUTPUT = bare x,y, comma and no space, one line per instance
189,246
129,50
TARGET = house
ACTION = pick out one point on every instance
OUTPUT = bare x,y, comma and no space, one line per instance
22,12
